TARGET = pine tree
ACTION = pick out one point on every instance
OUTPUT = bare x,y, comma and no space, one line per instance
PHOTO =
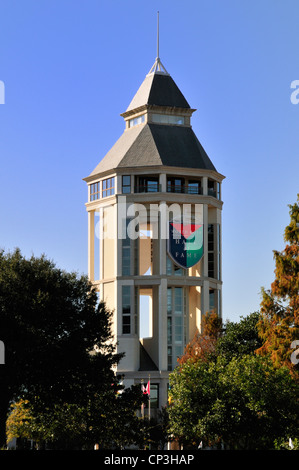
279,322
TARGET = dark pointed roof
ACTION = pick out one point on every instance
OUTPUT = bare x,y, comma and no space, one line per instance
158,89
150,144
156,145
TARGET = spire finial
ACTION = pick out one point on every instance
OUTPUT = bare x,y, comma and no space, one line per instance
158,35
158,67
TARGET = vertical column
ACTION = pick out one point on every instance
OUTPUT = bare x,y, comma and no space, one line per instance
162,182
101,243
205,239
162,325
91,245
163,233
118,184
204,185
117,243
205,303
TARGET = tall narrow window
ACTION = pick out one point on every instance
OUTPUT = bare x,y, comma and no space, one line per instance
218,252
214,300
211,188
179,320
218,190
94,191
126,184
211,264
176,324
126,310
126,253
214,251
154,396
214,189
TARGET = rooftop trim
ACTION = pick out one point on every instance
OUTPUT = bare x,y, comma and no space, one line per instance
158,67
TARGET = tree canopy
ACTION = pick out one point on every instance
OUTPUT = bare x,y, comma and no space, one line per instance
245,403
59,349
279,321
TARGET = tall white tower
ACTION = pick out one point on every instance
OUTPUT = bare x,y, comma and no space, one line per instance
154,220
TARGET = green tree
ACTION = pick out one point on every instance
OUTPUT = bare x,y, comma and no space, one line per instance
58,343
240,338
279,321
245,403
109,420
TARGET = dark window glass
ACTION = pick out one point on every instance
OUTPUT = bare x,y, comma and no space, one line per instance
126,309
194,187
175,185
126,184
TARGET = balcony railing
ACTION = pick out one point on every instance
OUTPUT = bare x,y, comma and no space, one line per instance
181,189
184,189
148,188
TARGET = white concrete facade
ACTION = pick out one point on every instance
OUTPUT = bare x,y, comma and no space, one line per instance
132,275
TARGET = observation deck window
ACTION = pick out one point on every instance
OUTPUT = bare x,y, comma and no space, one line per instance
214,189
108,188
148,184
168,119
137,120
94,191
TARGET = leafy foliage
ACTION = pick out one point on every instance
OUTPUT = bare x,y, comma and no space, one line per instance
60,355
279,322
240,338
109,419
245,403
203,344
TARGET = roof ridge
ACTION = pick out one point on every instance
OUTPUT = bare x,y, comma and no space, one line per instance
146,130
114,156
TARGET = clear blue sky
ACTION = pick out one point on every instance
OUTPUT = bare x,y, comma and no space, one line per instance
70,67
